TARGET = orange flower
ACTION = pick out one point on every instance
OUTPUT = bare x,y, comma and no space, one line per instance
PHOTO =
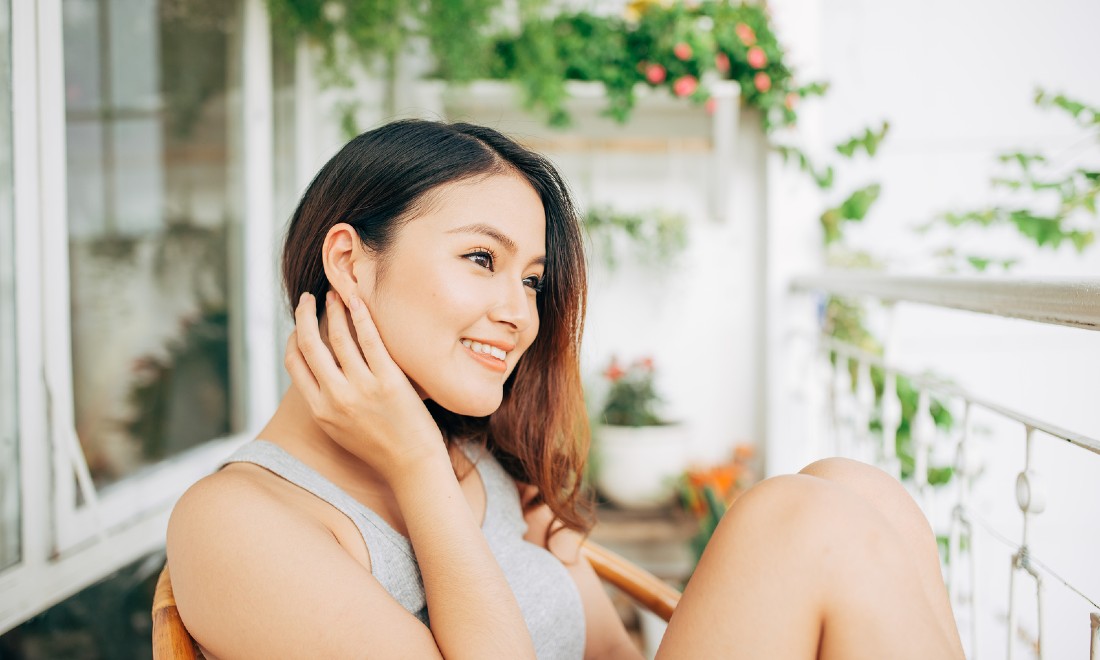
743,452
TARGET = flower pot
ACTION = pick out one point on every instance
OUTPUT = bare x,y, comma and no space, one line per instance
653,630
639,465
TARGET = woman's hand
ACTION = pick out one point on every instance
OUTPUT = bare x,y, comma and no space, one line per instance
365,403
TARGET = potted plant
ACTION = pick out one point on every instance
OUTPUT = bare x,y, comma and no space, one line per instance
641,454
707,491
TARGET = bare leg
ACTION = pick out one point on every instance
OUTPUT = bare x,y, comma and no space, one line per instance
802,567
891,499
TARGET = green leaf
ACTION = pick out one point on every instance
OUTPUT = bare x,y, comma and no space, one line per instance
979,263
859,202
868,141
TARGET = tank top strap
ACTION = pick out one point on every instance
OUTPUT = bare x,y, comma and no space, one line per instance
502,511
393,562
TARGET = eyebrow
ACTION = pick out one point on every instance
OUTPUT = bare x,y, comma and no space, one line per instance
495,234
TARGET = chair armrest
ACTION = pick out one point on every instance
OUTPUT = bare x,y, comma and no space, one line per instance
649,591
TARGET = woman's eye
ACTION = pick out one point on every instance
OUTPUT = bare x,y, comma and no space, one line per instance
481,258
534,283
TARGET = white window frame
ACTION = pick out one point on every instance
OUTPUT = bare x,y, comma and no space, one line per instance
66,547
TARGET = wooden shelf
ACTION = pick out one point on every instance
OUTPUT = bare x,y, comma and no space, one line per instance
658,541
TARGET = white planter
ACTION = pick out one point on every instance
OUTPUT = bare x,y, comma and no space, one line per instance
653,630
639,466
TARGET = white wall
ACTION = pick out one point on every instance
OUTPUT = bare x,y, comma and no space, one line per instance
956,81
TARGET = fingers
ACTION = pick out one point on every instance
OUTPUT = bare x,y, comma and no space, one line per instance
300,374
343,345
369,340
316,355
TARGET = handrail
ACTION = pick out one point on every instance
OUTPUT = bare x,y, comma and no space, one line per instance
1067,302
950,389
1059,301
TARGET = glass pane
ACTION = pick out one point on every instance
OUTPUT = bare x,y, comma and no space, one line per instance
285,169
153,199
9,406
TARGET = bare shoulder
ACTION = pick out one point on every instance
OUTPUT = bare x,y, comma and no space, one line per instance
256,576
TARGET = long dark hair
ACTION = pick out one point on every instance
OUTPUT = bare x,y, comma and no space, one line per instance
379,181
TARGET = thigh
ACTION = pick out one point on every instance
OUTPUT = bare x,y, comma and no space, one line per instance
801,567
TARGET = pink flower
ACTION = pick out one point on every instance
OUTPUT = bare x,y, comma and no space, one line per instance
745,34
791,101
711,105
762,82
757,58
682,51
655,74
722,63
645,363
685,86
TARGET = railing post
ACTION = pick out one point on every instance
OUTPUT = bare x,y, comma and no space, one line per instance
865,406
842,398
1094,645
959,523
891,420
922,436
1031,500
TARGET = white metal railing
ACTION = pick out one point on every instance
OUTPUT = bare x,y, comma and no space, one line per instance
1074,303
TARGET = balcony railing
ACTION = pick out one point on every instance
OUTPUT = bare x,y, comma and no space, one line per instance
850,405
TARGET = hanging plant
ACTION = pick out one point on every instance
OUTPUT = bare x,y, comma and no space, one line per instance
677,47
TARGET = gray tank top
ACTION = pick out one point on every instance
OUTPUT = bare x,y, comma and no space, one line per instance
546,593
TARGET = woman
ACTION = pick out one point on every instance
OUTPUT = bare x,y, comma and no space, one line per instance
415,493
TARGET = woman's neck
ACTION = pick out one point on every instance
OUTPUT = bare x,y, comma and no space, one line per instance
293,428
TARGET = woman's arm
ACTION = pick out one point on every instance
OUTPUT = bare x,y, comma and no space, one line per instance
605,636
255,577
367,404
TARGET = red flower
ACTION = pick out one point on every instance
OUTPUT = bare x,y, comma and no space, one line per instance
722,62
645,363
762,82
711,105
614,372
682,51
655,74
745,34
757,59
685,86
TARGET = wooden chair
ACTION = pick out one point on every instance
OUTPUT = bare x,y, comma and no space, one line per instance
171,641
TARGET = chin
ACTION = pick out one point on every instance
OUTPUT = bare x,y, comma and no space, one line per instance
469,404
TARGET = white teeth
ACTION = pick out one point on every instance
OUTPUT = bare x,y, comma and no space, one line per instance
478,347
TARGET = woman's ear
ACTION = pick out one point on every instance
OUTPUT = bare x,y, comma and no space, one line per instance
347,263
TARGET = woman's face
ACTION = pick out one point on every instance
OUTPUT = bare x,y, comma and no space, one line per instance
455,305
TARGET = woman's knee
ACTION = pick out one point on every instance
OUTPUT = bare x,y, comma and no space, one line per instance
880,490
796,507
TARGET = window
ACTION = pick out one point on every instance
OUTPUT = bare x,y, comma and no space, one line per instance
154,194
10,504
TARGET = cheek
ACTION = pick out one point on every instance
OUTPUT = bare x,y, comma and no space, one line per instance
528,336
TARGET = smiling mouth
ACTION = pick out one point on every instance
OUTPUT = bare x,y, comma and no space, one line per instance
488,359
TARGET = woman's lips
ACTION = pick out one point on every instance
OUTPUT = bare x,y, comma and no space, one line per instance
486,360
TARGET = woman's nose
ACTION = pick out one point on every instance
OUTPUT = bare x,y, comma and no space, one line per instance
515,307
